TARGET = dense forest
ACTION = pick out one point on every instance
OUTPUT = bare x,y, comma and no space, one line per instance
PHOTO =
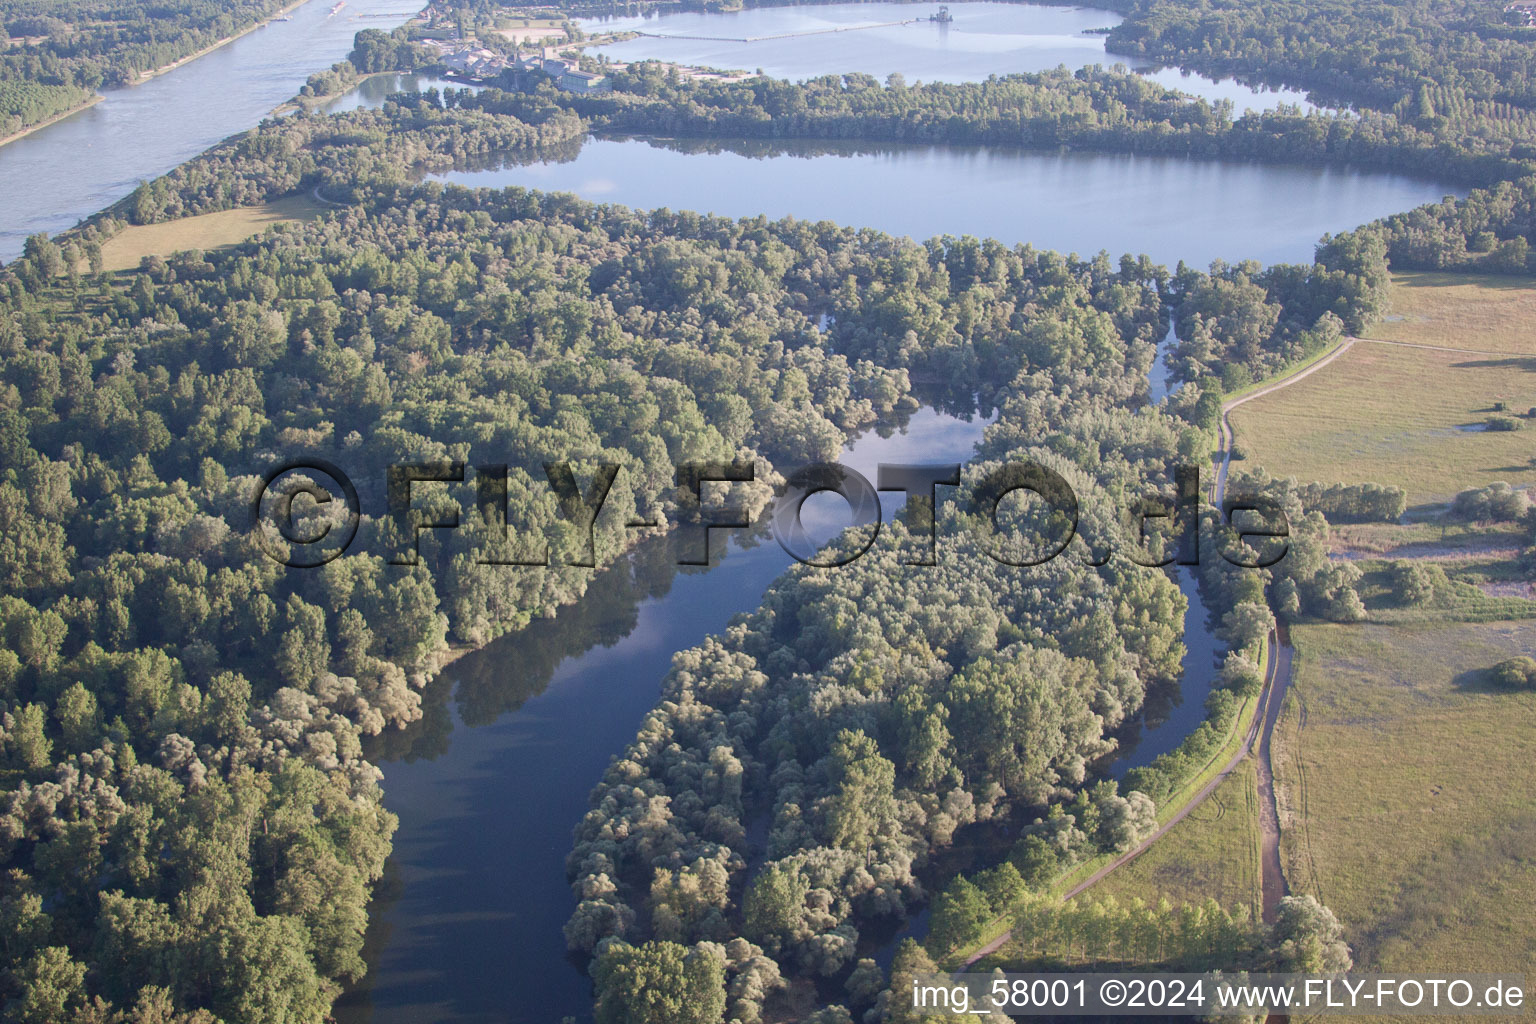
54,54
189,829
1422,58
144,704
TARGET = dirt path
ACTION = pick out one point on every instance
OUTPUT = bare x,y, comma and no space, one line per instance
1446,348
1272,698
1279,659
1274,886
1219,488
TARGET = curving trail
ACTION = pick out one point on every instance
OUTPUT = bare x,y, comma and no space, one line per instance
1219,488
1277,683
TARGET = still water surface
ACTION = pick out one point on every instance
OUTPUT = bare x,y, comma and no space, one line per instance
59,175
467,927
984,39
1168,208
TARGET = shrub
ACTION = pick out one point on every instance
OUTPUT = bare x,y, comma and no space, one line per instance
1515,674
1498,502
1501,423
1036,861
1412,584
1355,503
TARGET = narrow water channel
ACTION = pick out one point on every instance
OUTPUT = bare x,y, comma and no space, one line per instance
467,925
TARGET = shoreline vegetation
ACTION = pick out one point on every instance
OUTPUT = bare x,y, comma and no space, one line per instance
1242,738
55,119
143,76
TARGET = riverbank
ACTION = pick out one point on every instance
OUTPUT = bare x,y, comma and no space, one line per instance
308,103
145,76
55,119
1255,724
1193,793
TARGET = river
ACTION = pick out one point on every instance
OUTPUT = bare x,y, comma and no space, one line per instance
466,927
65,172
1168,208
984,39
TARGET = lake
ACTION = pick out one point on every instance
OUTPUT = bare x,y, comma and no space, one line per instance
59,175
1168,208
984,39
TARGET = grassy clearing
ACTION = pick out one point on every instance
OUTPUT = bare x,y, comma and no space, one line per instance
1424,538
1464,600
1394,416
1212,853
1405,793
206,231
1068,880
1476,311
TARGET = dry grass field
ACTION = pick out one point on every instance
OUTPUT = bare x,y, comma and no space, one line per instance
1396,415
1412,416
1213,853
1483,311
1405,786
206,231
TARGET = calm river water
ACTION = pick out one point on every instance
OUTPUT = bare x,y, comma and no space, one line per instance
61,174
467,925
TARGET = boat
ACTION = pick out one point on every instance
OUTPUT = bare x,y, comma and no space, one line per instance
335,10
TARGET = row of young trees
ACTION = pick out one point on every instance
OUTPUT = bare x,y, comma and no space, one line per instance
662,981
1102,933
